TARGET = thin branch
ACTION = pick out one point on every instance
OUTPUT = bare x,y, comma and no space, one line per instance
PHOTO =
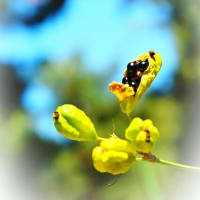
165,162
169,163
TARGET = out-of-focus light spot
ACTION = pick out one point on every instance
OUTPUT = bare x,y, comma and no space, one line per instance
45,129
115,36
38,99
24,7
154,41
26,71
101,30
138,11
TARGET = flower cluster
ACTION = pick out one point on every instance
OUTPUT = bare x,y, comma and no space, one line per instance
115,155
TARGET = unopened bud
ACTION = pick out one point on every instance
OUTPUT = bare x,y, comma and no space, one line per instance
142,134
114,156
73,123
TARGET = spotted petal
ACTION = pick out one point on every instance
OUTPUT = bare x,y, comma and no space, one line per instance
125,93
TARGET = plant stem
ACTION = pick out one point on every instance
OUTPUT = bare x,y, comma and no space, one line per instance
165,162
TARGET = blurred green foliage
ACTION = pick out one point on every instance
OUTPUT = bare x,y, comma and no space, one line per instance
65,171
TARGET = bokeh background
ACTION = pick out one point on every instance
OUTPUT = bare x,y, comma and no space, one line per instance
54,52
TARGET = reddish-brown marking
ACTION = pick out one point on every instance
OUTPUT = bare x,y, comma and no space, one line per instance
148,156
148,136
139,73
152,53
56,115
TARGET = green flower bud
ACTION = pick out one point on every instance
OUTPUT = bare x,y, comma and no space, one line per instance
142,134
114,156
73,123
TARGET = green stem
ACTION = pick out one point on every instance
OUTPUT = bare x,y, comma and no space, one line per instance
165,162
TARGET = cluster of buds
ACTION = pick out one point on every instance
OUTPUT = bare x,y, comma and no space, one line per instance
113,155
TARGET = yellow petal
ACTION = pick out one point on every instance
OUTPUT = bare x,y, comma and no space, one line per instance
114,156
125,94
143,134
122,91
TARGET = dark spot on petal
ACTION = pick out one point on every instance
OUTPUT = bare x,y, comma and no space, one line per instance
131,74
139,74
143,65
152,53
125,80
130,66
133,84
56,115
148,136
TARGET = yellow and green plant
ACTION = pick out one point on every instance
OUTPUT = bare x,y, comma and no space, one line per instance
113,154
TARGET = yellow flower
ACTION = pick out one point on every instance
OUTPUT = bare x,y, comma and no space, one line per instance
114,156
142,134
73,123
126,95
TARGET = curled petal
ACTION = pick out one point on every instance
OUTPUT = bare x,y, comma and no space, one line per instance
122,91
129,97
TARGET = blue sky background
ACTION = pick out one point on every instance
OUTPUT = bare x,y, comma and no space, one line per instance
104,32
